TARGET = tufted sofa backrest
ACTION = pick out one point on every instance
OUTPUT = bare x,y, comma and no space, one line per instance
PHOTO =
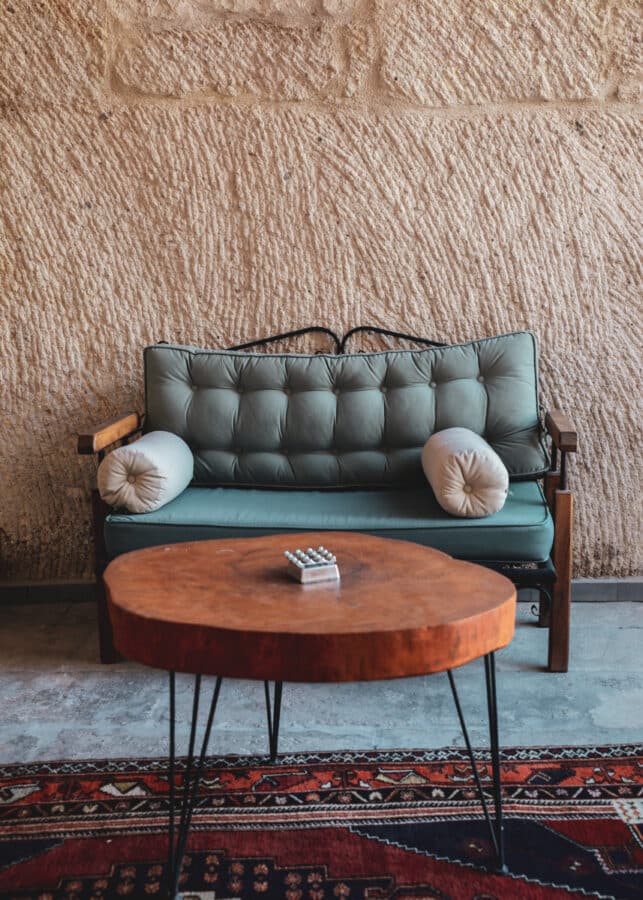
294,420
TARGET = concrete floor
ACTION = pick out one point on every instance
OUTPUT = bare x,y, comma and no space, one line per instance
57,701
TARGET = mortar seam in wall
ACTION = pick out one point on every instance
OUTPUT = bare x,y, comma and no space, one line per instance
117,102
377,101
373,97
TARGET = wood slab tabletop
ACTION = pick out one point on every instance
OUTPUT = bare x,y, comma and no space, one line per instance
229,608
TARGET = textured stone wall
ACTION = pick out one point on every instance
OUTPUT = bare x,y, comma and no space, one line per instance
207,171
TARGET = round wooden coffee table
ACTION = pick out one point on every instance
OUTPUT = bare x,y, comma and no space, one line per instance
229,608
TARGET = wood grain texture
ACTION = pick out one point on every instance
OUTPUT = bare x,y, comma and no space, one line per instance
552,483
562,431
229,608
91,440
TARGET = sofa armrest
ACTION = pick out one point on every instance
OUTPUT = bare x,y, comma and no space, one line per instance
93,440
562,432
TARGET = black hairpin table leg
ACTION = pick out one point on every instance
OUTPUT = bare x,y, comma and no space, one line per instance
492,706
192,775
496,827
273,716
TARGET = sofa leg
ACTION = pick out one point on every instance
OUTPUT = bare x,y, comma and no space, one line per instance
108,652
560,613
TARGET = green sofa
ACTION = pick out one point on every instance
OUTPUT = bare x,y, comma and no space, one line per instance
290,442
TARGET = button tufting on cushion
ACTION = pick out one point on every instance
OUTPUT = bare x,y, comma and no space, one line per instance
147,474
261,403
467,476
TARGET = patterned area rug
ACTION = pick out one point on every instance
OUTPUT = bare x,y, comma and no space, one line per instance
331,826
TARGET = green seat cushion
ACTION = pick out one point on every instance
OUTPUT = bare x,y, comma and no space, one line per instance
521,531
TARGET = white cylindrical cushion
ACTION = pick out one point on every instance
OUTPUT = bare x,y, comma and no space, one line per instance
467,476
147,474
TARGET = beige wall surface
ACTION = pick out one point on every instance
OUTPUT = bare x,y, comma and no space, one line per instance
207,171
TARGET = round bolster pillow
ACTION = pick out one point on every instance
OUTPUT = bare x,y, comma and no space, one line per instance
147,474
467,476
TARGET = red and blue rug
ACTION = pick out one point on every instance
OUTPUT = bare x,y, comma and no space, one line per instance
329,826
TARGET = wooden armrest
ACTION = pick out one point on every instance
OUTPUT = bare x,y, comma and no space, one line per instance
94,439
562,432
